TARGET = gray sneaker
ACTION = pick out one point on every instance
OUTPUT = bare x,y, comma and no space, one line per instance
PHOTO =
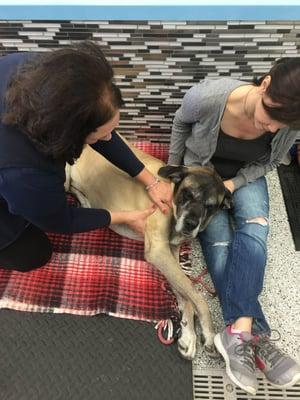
279,368
238,353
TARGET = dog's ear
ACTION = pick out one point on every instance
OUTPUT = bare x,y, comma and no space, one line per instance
227,201
174,172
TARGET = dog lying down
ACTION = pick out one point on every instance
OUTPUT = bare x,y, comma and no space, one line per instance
198,194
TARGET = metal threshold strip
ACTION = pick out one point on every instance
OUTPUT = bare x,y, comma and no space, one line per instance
213,384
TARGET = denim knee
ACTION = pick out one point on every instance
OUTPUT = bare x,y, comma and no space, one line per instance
256,227
215,241
215,254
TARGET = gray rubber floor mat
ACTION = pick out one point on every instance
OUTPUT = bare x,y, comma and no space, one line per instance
62,357
289,176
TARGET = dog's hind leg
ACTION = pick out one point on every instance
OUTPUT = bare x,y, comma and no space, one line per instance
80,197
158,252
69,187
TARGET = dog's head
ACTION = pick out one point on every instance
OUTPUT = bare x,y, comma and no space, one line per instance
199,193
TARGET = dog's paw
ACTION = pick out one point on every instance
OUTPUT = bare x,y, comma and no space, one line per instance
187,344
211,351
209,346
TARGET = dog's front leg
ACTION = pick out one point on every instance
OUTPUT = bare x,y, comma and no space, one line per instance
188,339
158,253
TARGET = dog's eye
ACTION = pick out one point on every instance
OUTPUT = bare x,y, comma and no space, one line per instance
187,195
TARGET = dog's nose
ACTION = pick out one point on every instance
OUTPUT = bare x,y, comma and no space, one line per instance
191,223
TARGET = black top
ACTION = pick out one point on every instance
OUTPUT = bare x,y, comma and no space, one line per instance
233,153
32,184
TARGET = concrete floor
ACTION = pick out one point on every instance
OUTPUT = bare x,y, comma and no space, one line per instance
281,295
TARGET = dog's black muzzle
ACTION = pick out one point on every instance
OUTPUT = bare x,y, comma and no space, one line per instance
190,224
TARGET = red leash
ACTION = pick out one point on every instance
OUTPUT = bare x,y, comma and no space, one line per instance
201,280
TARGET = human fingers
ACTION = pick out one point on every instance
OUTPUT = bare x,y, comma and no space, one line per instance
161,205
166,195
150,210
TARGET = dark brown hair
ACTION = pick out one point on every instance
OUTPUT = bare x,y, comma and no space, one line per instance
284,89
59,98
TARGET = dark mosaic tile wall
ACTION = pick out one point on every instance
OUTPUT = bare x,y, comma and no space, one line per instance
155,62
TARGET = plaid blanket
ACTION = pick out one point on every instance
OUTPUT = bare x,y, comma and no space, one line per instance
95,272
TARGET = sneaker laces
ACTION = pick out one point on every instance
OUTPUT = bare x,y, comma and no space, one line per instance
245,349
267,349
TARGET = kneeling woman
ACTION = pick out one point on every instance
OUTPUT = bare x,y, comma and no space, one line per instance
51,105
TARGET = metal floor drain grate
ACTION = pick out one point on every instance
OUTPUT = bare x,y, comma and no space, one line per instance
213,384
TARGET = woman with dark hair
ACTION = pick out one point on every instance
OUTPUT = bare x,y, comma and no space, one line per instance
243,130
51,105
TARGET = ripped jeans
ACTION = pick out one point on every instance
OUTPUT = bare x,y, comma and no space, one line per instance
234,248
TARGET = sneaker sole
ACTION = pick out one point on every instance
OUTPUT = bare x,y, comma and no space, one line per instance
223,352
286,385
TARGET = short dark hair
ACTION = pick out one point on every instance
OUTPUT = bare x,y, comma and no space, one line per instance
57,99
284,89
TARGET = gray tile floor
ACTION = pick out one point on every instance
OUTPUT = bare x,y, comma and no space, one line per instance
281,295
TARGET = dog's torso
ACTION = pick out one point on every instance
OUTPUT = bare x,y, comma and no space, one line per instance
106,186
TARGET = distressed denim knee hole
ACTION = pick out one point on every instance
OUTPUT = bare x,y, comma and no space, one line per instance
220,244
258,220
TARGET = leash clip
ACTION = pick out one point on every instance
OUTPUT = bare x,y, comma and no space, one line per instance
168,330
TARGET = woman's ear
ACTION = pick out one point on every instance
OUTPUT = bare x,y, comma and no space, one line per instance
265,83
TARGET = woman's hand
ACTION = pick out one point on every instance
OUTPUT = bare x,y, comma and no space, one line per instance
136,220
161,194
229,185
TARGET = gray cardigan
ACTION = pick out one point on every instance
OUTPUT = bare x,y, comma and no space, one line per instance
196,128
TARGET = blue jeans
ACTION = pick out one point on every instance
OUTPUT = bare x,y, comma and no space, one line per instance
234,248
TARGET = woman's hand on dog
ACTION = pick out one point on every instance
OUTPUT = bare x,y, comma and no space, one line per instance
161,194
136,220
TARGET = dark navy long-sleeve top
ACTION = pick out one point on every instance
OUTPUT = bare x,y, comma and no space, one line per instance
32,184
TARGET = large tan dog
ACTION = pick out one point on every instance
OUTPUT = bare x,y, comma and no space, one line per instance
198,194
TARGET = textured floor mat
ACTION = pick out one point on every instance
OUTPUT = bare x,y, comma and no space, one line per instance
66,357
289,177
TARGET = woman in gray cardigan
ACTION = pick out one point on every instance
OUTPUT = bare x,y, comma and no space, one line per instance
243,130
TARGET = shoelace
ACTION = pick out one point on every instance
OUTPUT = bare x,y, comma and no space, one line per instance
245,349
268,350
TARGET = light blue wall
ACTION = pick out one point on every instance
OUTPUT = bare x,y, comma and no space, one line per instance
74,12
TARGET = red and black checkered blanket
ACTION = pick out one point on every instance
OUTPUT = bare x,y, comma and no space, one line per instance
94,272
